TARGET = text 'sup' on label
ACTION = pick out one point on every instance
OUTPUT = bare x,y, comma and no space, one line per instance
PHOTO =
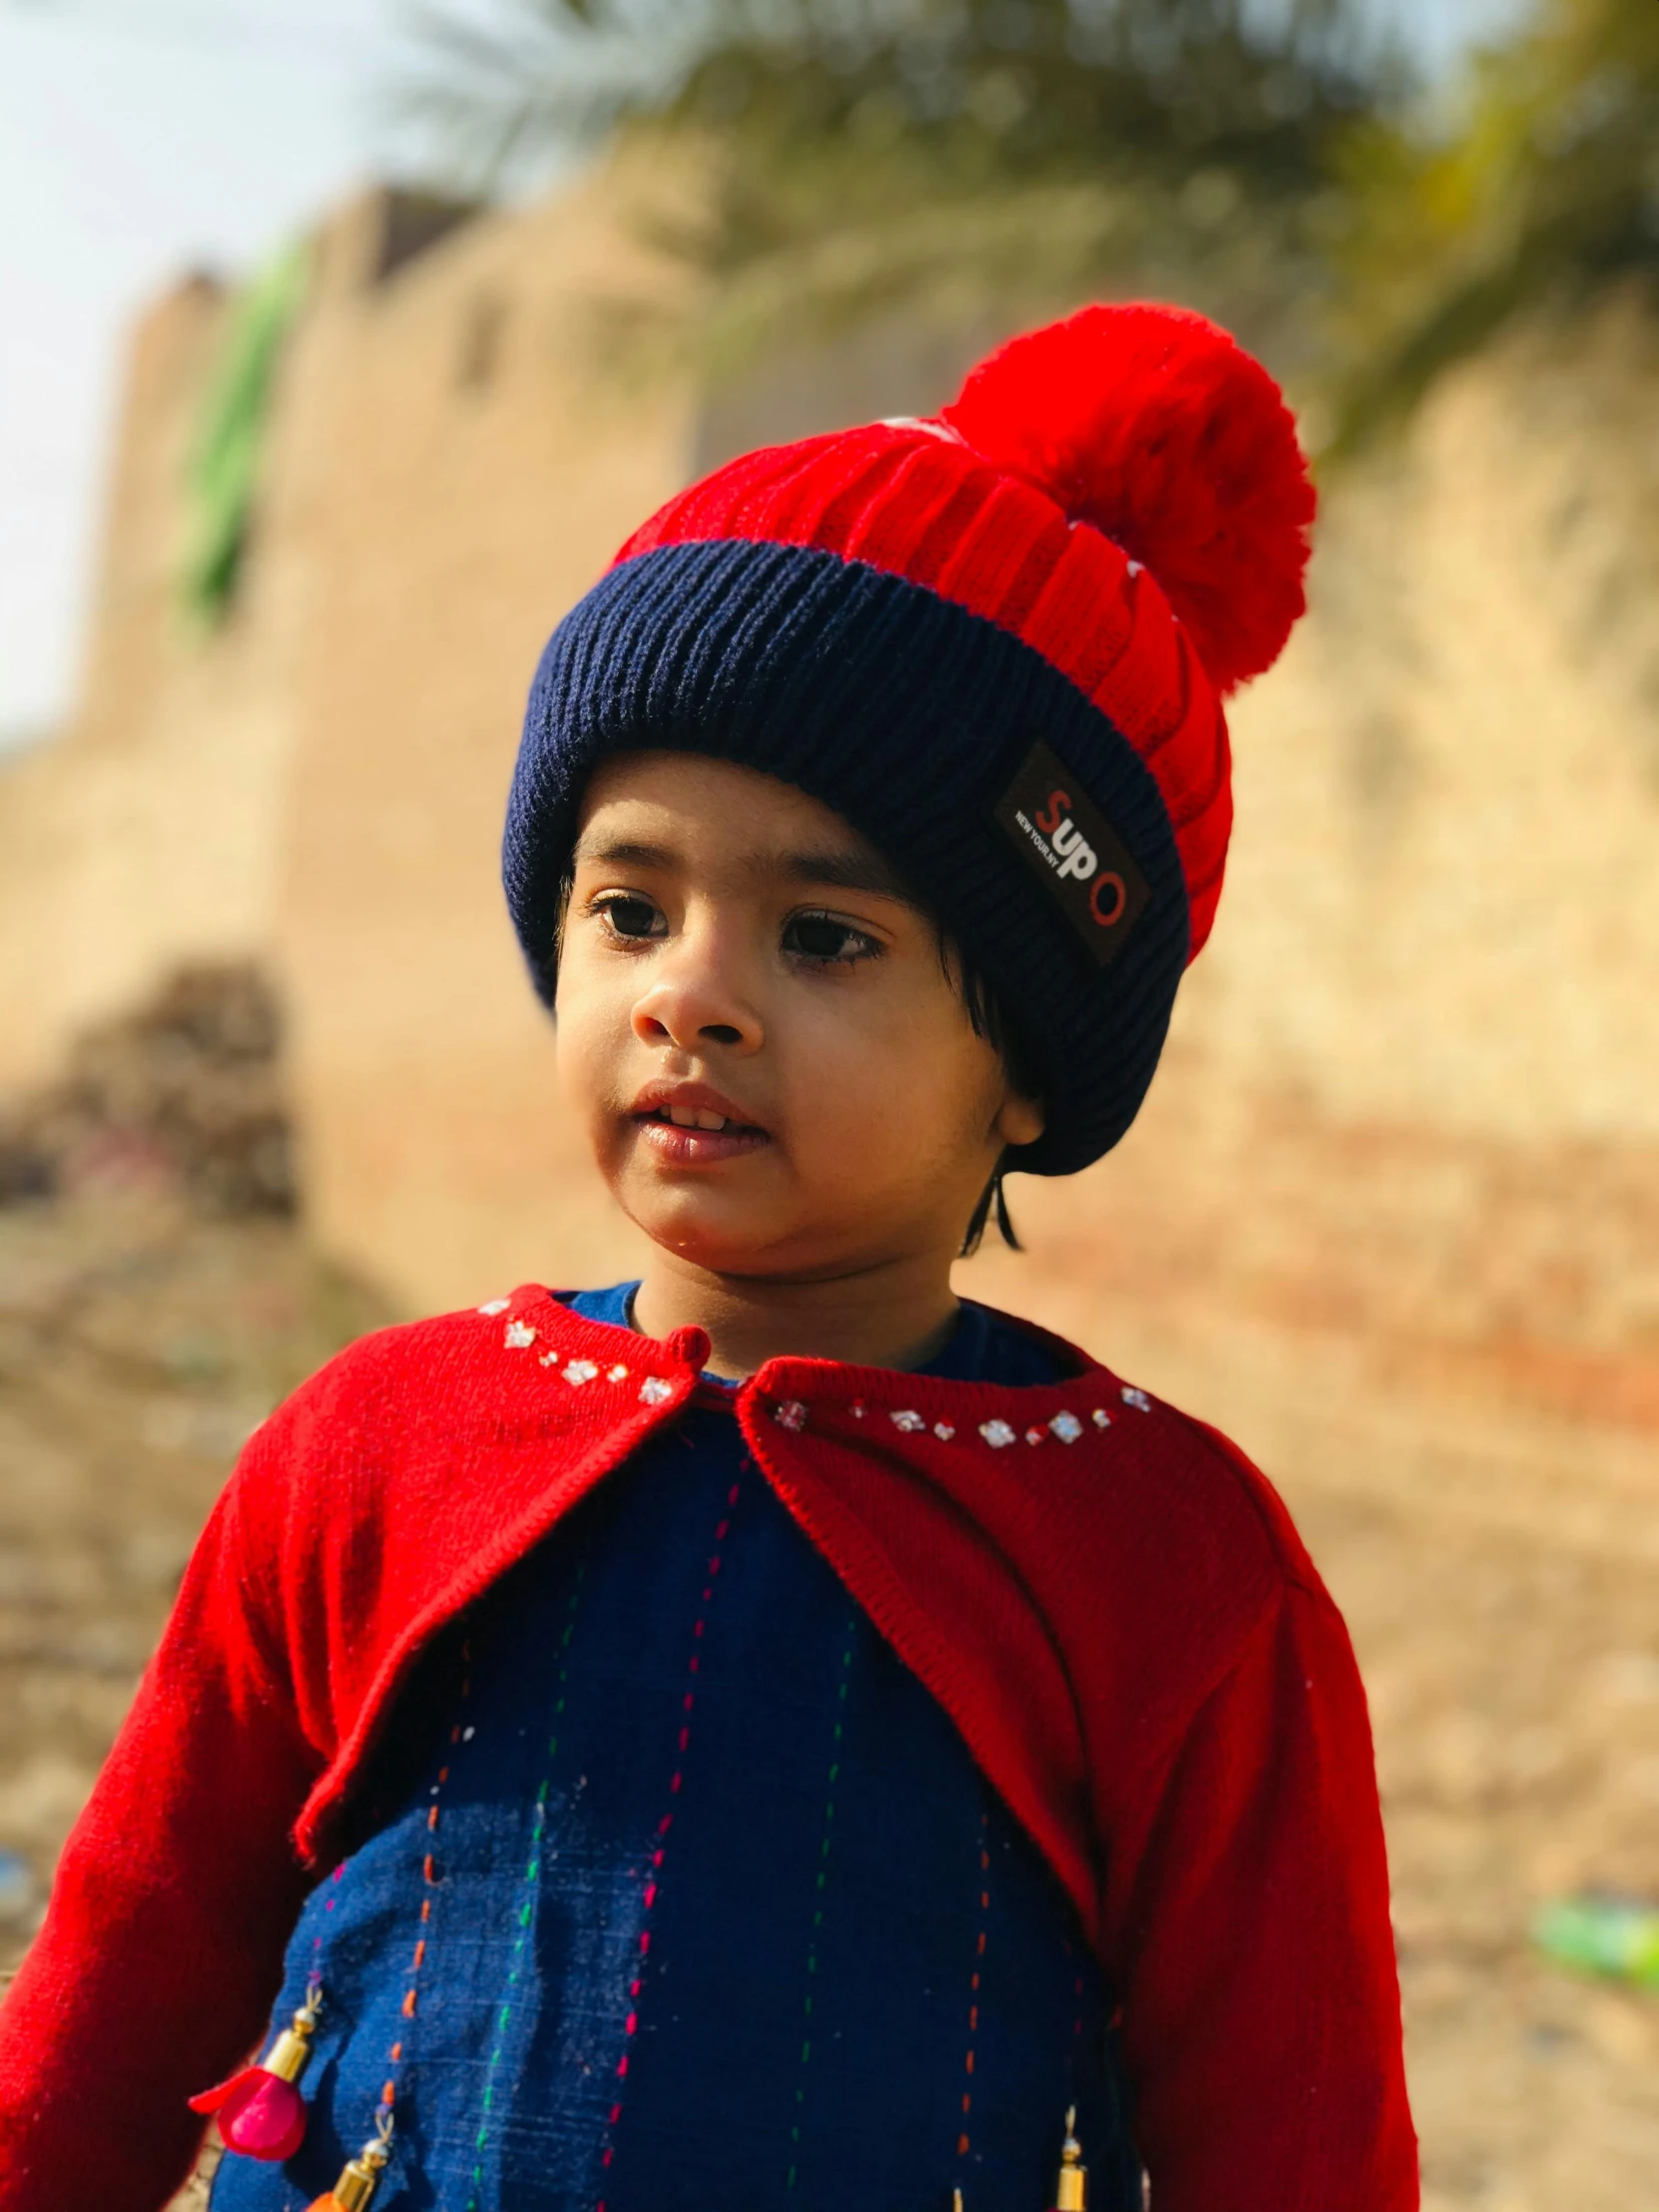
1075,852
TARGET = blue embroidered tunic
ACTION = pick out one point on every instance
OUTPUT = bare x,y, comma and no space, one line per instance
685,1896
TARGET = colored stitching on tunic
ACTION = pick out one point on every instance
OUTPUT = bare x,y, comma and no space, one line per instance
532,1879
1077,1999
819,1884
1077,1988
654,1871
429,1877
329,1904
963,2140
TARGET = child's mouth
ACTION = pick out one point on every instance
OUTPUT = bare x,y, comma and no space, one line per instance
695,1136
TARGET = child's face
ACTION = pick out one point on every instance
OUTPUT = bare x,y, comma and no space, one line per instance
777,1075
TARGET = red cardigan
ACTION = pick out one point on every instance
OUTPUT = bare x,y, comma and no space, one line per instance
1109,1601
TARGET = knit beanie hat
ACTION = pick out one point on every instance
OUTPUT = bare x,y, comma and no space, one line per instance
995,641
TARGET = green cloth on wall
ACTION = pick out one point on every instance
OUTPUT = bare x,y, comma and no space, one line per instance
224,462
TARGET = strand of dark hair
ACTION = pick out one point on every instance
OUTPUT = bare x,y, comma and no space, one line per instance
989,1019
993,1199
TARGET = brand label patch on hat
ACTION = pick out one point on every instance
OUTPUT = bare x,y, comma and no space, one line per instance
1068,842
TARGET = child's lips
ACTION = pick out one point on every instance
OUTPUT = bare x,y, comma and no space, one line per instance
696,1128
698,1148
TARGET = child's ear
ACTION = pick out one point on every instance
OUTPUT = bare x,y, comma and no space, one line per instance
1019,1120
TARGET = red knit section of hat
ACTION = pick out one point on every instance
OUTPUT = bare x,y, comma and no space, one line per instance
1122,490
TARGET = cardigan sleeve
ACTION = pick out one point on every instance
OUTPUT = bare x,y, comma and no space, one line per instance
1247,1926
160,1953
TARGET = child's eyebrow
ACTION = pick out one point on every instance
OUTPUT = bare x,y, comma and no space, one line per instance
625,853
848,871
832,867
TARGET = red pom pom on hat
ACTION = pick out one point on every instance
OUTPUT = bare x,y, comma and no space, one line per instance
1153,425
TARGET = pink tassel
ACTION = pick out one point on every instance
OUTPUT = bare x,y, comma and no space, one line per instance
260,2113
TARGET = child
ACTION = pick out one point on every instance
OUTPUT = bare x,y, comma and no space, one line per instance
772,1734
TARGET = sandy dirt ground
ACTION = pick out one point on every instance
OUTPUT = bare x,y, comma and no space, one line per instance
1500,1581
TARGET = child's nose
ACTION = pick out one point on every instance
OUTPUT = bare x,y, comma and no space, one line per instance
689,1003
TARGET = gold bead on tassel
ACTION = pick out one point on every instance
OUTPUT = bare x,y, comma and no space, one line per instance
288,2055
1071,2191
361,2177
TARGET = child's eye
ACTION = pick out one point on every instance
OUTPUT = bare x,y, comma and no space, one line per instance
631,916
823,939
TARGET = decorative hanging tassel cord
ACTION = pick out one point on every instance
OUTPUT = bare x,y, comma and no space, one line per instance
361,2177
260,2113
1071,2190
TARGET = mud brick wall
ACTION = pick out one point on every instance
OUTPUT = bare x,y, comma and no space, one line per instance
1413,1095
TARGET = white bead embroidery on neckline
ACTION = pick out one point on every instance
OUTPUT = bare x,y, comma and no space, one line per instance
793,1415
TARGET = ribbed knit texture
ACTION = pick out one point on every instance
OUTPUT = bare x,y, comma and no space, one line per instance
907,714
913,500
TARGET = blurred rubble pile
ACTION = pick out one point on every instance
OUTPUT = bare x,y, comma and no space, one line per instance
157,1299
182,1095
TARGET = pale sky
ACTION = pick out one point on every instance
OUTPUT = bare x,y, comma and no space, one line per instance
140,138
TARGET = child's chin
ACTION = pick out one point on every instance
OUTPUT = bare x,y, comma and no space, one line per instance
725,1238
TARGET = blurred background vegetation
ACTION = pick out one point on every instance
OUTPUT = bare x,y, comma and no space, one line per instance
1279,163
1535,186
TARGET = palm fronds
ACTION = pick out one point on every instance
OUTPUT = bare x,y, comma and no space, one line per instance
1541,184
964,156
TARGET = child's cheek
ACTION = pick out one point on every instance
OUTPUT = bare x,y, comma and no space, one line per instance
590,1044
